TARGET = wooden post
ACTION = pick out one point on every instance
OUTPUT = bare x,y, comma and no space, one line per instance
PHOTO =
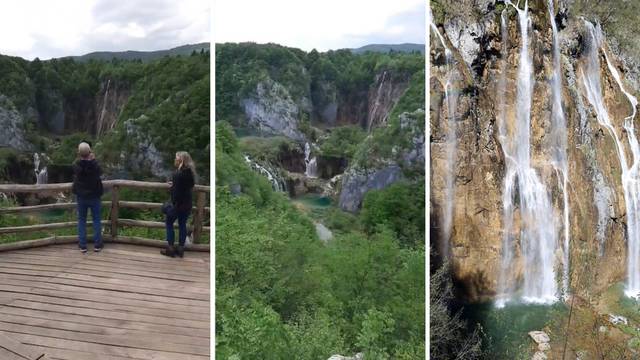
114,212
198,218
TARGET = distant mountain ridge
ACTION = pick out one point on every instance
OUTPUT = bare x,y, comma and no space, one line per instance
385,48
143,55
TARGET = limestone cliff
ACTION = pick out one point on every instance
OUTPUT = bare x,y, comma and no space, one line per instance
13,126
469,226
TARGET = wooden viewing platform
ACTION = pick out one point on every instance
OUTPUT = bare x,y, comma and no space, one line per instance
126,302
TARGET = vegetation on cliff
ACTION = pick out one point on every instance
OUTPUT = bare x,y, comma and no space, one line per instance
281,293
167,100
318,78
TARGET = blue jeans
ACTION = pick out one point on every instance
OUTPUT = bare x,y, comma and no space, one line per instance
84,204
182,217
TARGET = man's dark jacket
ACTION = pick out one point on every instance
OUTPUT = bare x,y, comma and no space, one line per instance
86,179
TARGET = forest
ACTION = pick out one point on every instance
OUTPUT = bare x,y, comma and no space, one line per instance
156,107
281,291
167,100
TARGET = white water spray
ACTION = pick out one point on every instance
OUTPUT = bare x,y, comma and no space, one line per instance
630,177
276,183
451,101
104,109
591,80
41,173
311,164
376,104
522,184
559,147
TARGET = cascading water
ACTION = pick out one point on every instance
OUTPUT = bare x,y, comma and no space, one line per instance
537,226
590,75
451,100
104,109
559,146
374,111
276,183
504,286
41,173
311,164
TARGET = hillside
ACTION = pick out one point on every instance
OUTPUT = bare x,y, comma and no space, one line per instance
136,113
145,56
386,48
320,195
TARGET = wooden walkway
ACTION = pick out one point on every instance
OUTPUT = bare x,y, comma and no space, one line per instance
126,302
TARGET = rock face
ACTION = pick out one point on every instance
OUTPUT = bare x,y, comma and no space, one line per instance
91,114
383,95
11,123
540,337
329,167
146,156
109,103
356,184
597,214
272,111
358,356
381,170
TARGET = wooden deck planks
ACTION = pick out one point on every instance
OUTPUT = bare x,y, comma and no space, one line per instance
127,302
12,349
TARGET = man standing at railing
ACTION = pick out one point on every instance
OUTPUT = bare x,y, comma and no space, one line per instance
87,186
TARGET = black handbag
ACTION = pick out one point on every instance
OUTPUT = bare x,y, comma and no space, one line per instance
168,209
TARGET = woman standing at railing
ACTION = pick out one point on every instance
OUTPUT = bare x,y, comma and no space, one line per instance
182,185
87,186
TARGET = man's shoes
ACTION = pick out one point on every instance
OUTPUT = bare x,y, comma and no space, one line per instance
168,251
97,248
179,250
83,250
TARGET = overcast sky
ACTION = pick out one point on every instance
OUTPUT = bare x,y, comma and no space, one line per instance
323,25
56,28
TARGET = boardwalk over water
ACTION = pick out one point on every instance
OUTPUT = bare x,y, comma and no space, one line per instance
126,302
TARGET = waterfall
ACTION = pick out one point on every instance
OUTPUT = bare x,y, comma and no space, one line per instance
311,165
504,288
590,75
104,109
41,173
374,111
451,101
559,146
522,184
276,183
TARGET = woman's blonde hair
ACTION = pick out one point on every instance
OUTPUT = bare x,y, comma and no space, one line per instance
186,161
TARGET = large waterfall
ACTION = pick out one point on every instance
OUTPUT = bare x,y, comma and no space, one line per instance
559,146
99,127
450,100
590,75
523,190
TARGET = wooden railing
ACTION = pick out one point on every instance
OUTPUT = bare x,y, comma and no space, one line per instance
114,222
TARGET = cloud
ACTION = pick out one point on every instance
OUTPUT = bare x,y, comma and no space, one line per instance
47,29
405,27
323,25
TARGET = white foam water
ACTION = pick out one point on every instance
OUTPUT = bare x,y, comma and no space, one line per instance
590,75
522,185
